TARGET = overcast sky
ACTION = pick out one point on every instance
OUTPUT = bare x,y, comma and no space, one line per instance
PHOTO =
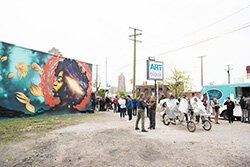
93,30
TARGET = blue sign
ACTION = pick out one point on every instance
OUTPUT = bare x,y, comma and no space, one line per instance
155,70
214,93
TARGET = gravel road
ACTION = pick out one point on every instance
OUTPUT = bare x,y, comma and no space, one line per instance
110,141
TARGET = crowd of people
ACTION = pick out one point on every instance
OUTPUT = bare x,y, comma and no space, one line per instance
128,106
245,107
141,108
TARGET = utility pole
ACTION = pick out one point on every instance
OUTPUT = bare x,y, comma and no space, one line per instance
228,72
96,80
106,63
134,66
201,57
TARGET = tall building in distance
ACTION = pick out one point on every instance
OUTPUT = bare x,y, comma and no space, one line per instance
121,83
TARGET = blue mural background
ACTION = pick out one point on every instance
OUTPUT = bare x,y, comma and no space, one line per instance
11,82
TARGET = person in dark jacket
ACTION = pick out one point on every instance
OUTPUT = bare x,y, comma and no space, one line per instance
243,109
102,104
93,101
230,109
248,109
129,106
141,113
135,106
152,107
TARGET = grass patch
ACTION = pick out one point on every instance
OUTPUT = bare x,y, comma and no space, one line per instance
17,129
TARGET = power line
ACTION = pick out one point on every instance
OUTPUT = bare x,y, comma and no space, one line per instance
243,26
201,57
206,40
220,20
211,24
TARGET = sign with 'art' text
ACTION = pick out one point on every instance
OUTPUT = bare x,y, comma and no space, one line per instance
155,70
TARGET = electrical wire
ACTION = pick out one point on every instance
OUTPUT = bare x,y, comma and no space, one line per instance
244,26
209,25
247,25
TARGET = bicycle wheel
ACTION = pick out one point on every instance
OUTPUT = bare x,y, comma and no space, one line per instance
207,125
191,126
166,120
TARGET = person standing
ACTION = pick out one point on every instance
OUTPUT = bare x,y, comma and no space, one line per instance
243,109
141,113
93,101
135,106
197,109
230,110
115,101
184,107
102,104
205,100
152,107
129,106
122,103
190,109
248,109
147,109
108,103
216,107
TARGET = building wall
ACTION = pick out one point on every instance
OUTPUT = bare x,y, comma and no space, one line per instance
150,89
189,94
33,82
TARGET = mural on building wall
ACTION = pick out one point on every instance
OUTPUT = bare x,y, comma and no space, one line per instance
33,82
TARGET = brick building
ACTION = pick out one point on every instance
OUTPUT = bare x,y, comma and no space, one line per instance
150,89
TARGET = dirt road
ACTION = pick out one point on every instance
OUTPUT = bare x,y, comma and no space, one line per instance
109,141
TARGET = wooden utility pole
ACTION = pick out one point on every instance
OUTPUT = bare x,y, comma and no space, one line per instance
201,57
228,73
134,65
106,72
96,80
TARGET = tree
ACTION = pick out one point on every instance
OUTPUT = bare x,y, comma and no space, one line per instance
97,85
120,93
101,93
178,83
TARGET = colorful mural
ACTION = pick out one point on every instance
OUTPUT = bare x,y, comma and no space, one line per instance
33,82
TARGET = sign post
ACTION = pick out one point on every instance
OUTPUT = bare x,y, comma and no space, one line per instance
155,71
